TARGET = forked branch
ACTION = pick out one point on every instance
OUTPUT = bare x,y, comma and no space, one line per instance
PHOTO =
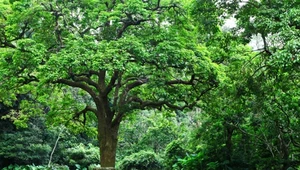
83,112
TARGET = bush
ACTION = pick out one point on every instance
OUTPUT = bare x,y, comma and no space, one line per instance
25,146
33,167
83,155
173,153
141,160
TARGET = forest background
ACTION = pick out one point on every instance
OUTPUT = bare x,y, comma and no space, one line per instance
152,84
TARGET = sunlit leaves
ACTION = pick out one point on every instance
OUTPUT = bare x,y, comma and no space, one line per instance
111,57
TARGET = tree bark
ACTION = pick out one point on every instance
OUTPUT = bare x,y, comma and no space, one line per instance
229,134
108,139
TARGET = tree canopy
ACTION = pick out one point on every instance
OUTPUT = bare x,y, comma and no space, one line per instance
93,64
124,55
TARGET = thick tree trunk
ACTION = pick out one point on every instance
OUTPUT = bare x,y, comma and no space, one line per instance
108,139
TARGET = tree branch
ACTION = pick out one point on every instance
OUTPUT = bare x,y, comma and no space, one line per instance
155,104
112,82
129,22
116,95
159,104
88,81
101,79
138,82
83,112
80,85
143,104
178,81
29,79
266,47
129,79
158,6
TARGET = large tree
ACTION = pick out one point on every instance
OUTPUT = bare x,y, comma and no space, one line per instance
275,79
124,55
255,112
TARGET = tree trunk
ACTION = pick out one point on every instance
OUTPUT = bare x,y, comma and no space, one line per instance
284,151
108,139
229,134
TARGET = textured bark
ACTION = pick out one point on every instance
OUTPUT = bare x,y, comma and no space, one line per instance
108,139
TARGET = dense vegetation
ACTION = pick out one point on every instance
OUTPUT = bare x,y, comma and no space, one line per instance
152,84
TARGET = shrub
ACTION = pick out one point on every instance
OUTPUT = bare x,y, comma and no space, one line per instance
33,167
141,160
82,155
173,153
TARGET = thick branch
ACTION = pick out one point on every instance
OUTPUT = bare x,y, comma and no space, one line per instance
131,86
88,81
128,23
159,104
129,79
101,79
84,111
8,44
89,109
136,83
22,33
112,82
143,104
80,85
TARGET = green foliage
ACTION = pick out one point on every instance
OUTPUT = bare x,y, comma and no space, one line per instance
152,131
34,167
82,155
169,50
190,162
208,17
141,160
248,121
173,153
33,145
101,62
93,166
26,146
121,56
